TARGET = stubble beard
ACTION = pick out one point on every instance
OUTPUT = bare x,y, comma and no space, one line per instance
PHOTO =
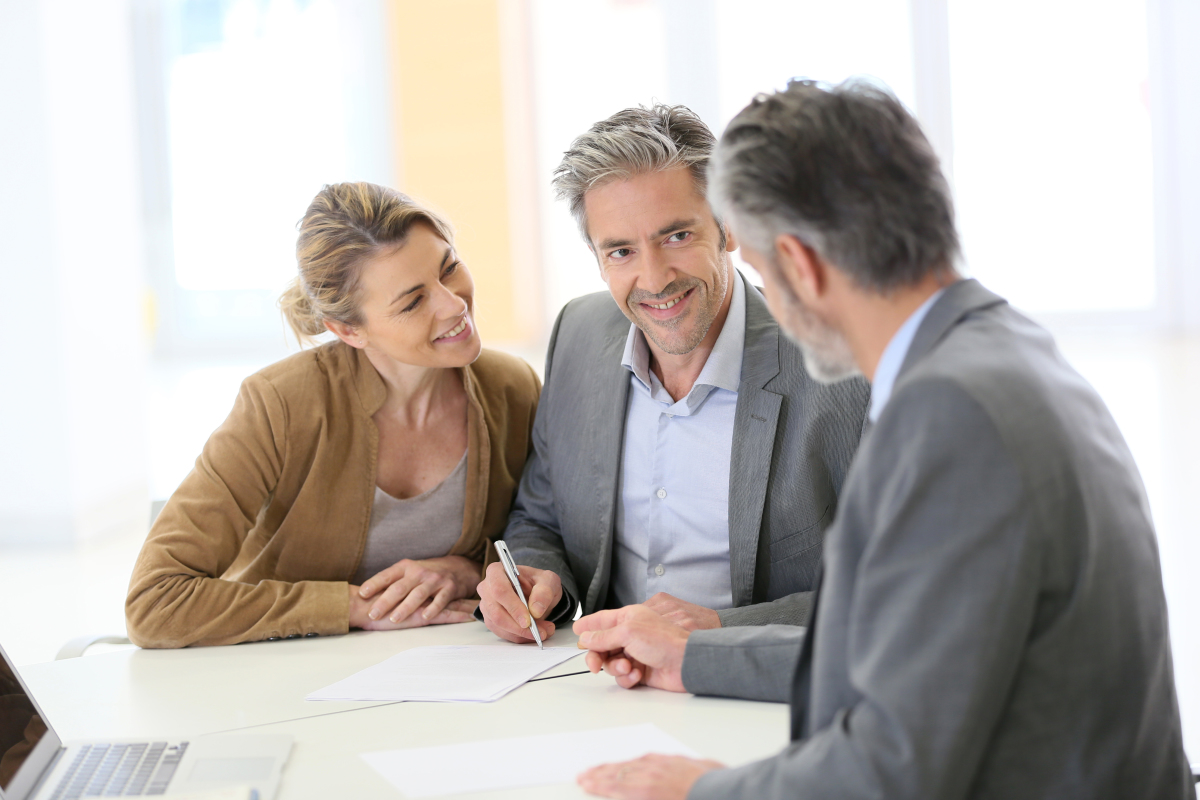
700,320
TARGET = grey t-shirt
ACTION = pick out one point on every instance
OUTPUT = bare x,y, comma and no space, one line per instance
425,526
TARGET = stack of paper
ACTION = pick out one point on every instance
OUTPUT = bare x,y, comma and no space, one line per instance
452,674
501,763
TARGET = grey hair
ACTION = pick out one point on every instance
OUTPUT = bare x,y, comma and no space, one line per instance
633,142
846,170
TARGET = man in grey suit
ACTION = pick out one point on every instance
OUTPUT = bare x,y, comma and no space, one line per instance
683,458
991,620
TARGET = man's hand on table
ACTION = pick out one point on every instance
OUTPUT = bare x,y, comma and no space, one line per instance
636,646
651,777
688,616
503,611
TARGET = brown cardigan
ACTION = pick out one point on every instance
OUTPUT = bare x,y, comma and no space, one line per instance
262,536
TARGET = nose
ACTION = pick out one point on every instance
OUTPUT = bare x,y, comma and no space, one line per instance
656,273
446,303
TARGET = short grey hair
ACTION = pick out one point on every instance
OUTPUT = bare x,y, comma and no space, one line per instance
633,142
846,170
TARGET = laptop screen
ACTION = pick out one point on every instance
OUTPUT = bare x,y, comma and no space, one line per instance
21,727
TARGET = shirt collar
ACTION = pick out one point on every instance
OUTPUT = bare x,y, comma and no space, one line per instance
722,370
893,357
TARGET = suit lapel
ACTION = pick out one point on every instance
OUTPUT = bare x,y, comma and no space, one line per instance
754,426
605,419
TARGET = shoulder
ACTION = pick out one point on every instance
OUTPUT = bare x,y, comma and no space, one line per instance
504,376
321,362
593,315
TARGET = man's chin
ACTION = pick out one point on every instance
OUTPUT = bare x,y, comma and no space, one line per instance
823,365
671,339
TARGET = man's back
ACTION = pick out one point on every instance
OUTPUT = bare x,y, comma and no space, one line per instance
992,620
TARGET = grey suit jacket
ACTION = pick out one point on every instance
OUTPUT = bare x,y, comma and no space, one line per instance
991,620
793,442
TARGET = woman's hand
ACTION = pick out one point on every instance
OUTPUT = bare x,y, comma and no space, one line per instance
455,611
418,588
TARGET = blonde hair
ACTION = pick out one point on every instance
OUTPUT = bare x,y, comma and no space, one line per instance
346,225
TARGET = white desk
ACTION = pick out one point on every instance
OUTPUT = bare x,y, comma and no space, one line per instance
262,686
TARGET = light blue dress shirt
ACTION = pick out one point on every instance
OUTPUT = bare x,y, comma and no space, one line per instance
672,527
893,357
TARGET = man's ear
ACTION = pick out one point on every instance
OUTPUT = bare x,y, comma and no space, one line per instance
802,268
346,333
731,242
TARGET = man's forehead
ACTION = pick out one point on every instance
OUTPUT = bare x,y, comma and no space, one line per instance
649,204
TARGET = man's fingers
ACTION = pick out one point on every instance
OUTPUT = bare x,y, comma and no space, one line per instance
608,639
600,620
545,594
501,623
630,680
618,665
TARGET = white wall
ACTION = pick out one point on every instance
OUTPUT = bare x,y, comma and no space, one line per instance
72,397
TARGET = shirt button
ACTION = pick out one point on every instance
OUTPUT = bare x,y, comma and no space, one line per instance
659,570
662,494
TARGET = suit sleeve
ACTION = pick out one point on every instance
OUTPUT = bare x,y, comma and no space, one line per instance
792,609
746,663
176,594
942,603
533,533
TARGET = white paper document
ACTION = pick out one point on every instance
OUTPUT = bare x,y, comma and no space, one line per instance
450,674
511,763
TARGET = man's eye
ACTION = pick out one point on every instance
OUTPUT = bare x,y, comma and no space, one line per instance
679,237
619,253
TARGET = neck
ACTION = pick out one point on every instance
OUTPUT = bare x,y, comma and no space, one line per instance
870,320
413,393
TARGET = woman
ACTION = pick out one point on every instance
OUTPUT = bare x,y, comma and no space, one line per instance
356,484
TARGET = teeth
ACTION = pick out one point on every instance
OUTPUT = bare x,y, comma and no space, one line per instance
462,326
665,306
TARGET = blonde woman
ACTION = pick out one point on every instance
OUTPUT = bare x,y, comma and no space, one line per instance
355,484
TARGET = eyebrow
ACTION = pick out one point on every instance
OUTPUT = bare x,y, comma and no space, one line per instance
420,286
673,227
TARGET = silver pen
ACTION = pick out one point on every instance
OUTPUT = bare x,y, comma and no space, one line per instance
510,568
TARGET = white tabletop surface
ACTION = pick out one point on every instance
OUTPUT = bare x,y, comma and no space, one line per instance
260,688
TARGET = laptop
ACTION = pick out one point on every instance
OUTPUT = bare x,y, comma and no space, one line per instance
36,765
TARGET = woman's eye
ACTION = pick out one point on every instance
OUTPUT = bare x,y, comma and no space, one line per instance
411,306
450,270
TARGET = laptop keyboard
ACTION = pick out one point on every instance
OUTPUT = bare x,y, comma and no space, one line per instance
120,770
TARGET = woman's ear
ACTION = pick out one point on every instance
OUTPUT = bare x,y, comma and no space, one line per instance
346,333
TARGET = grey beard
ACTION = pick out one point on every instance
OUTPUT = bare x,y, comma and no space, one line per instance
827,356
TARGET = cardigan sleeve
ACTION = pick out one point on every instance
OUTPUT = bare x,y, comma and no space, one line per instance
176,595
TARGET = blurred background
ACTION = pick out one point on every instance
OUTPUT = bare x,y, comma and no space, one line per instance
155,156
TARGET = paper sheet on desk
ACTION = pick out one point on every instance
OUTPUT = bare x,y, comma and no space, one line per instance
511,763
449,674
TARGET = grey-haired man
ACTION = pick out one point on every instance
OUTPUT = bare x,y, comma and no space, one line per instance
683,458
991,620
